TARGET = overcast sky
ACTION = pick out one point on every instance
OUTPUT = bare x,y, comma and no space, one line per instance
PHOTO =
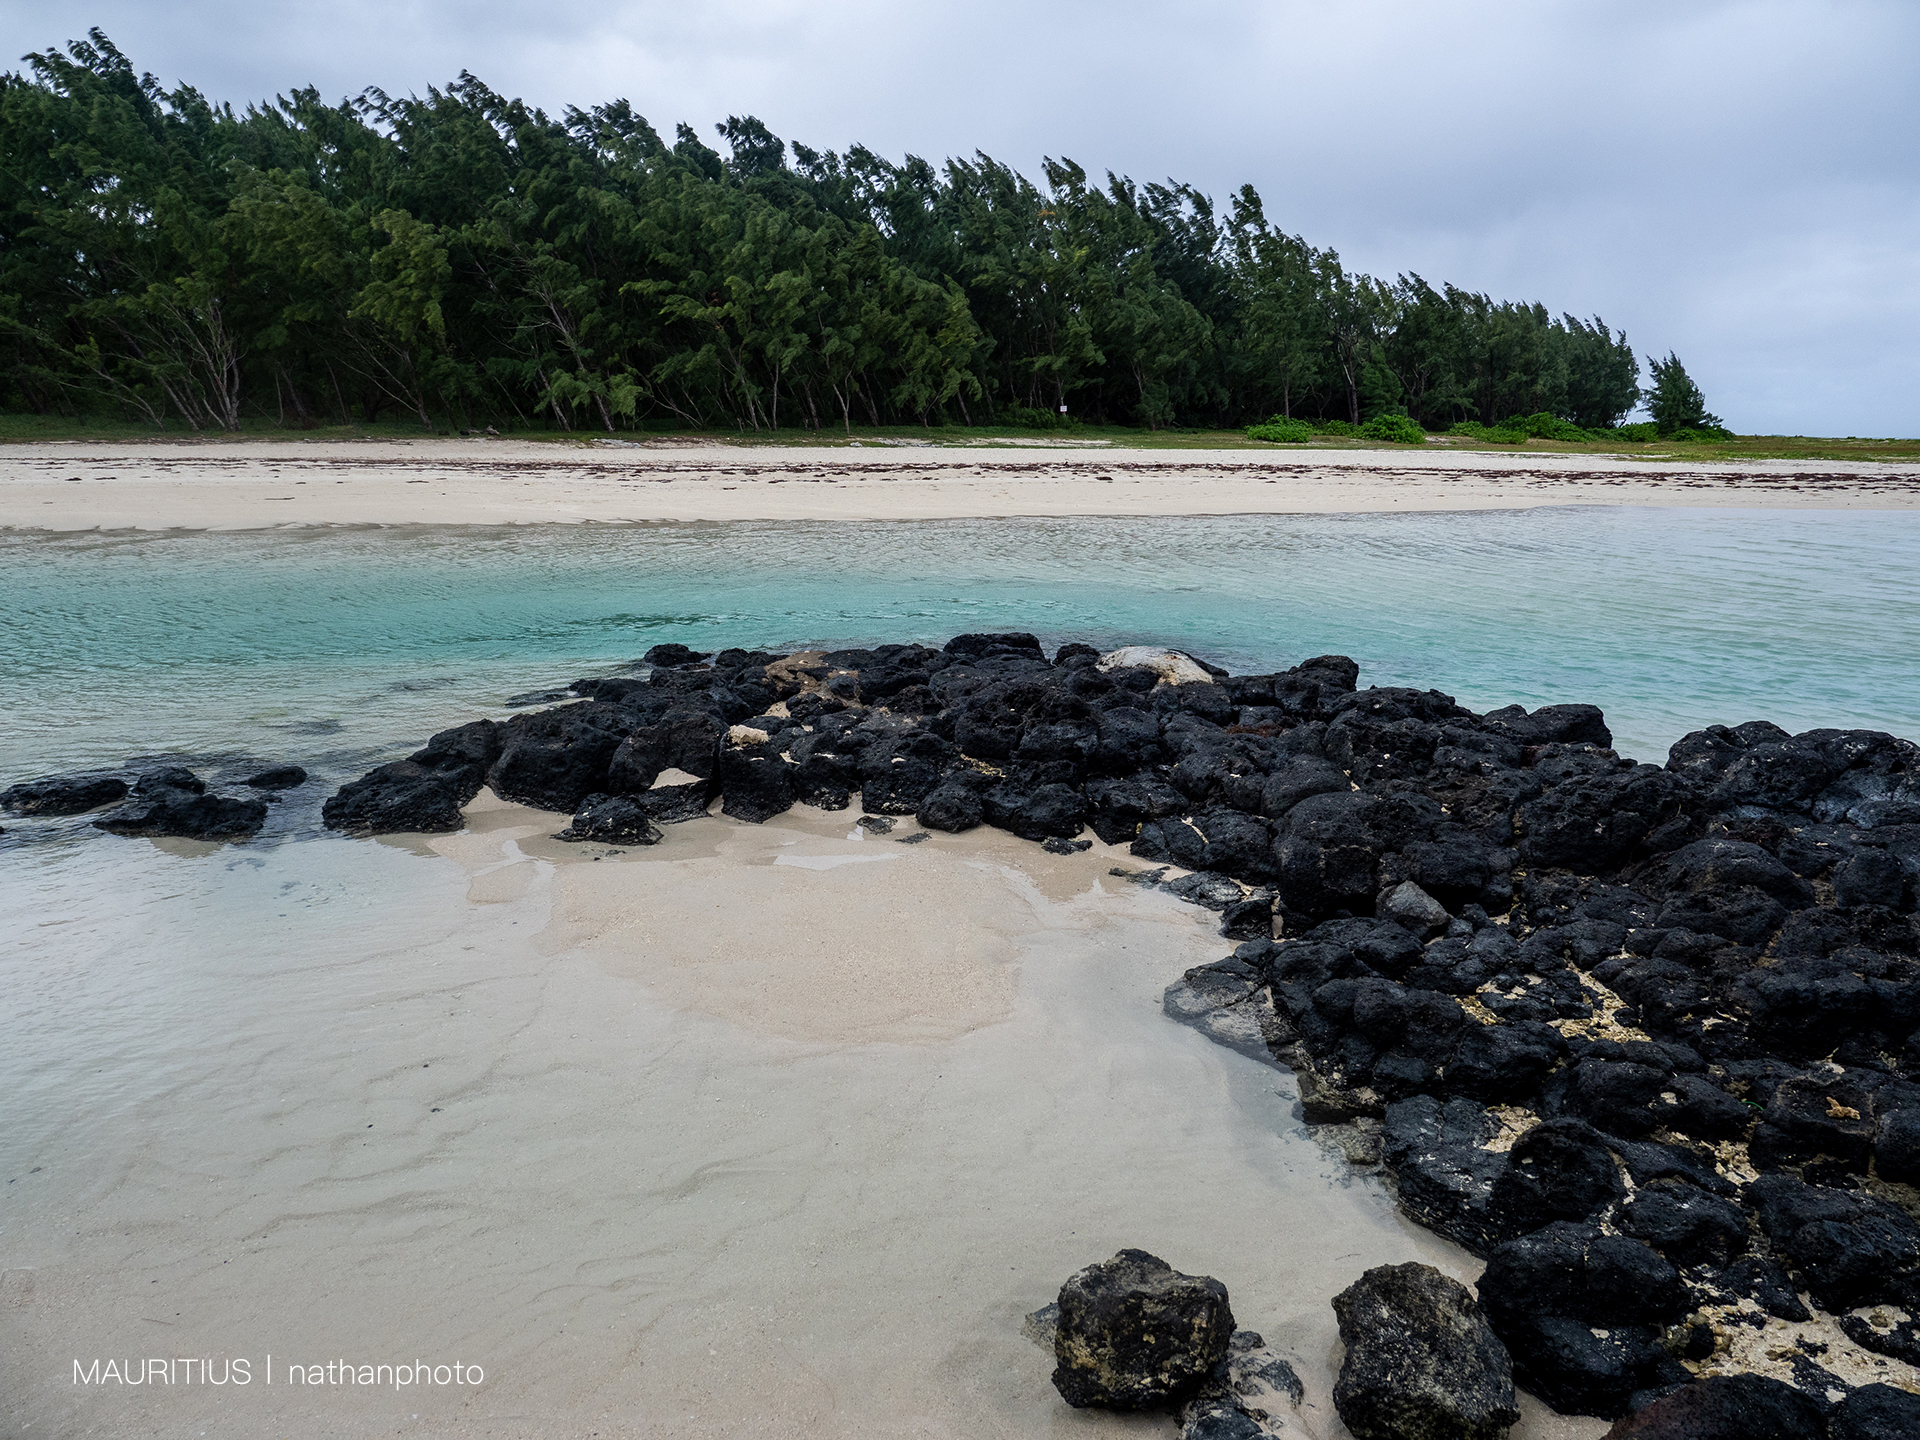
1734,180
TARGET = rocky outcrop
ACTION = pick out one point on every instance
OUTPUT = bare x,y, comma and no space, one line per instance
1649,1015
1421,1362
1134,1333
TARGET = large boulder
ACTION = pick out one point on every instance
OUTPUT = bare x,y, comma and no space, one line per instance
1422,1363
1876,1412
1135,1333
1583,1314
62,794
755,784
679,740
954,804
1727,1407
1848,1248
1169,667
554,759
1037,812
1561,1170
1328,855
1440,1153
1597,820
422,794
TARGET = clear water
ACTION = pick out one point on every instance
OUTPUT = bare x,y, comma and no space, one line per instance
327,646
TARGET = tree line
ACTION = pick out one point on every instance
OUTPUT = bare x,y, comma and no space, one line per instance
461,258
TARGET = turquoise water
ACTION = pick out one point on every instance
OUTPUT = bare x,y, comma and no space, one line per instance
328,646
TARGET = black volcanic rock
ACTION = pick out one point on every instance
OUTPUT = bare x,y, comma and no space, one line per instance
278,777
1728,1407
613,820
1583,1315
172,802
1876,1412
1135,1333
62,794
423,793
1421,1362
553,759
670,655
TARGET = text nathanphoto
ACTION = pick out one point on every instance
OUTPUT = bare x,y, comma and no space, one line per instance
161,1371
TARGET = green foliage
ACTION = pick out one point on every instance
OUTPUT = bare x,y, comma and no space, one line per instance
1474,430
1028,419
1676,402
1397,429
460,258
1281,431
1636,434
1543,426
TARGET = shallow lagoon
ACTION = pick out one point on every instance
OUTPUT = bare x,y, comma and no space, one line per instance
301,642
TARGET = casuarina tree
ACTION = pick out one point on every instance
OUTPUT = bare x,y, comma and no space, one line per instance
1676,402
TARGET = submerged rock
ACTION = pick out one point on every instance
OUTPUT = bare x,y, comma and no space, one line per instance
1252,1394
1421,1362
1133,1332
278,777
172,802
62,794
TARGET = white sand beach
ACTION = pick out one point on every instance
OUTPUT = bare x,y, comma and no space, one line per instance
258,485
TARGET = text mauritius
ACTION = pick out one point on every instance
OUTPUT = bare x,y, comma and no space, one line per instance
199,1370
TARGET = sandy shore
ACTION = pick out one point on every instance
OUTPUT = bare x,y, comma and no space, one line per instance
241,486
764,1130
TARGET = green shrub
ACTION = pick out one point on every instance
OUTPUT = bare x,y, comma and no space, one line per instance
1639,434
1706,435
1395,428
1545,427
1335,427
1040,419
1474,430
1281,431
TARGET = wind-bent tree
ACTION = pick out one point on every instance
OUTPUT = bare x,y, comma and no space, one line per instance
1675,401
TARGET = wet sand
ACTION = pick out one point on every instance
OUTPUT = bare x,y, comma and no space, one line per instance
259,485
765,1130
